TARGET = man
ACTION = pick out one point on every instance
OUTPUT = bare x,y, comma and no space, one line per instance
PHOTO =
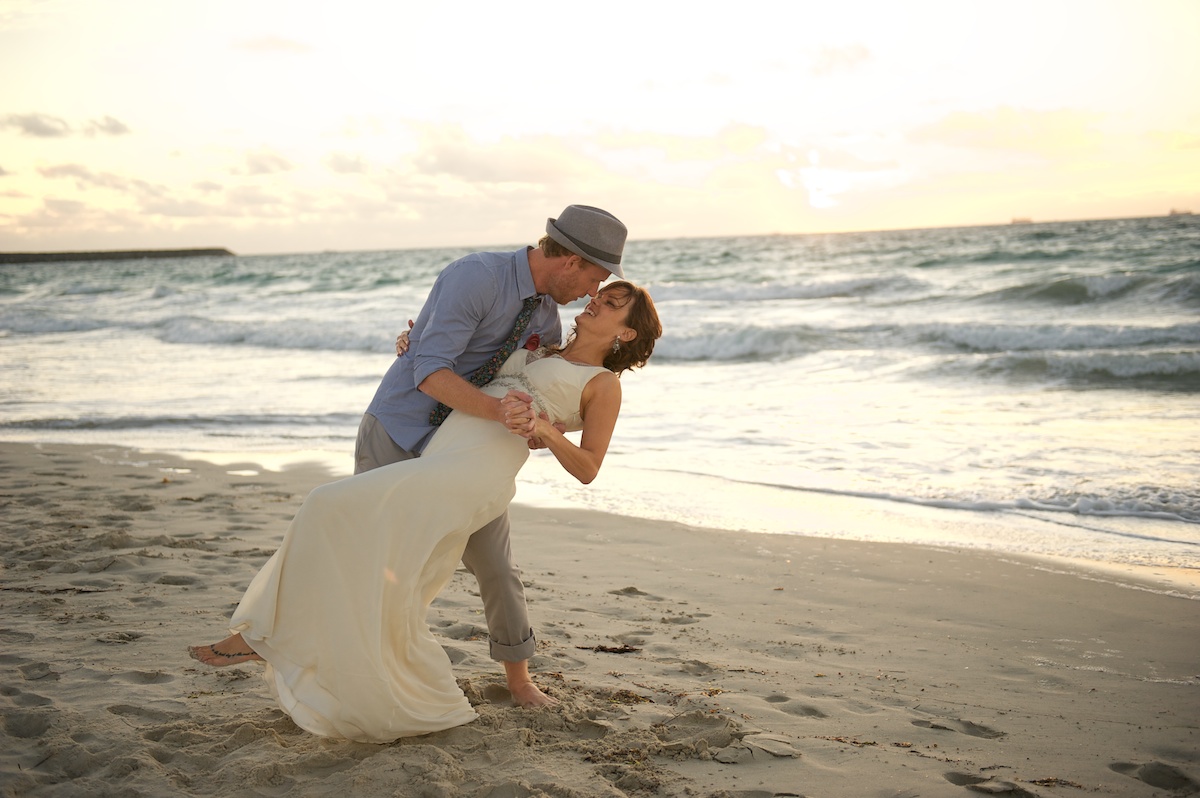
472,311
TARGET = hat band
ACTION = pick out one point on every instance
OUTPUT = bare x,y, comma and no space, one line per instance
591,251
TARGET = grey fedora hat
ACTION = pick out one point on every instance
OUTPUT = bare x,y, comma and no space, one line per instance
592,234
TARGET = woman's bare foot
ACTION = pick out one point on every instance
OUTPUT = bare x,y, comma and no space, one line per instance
233,650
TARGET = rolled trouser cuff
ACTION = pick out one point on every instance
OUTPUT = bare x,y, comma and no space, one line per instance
518,653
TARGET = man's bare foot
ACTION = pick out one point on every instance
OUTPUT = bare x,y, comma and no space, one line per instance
529,695
233,650
524,692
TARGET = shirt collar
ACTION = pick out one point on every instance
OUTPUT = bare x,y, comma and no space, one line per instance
525,284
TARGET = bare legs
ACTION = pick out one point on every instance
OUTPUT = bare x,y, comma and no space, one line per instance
233,650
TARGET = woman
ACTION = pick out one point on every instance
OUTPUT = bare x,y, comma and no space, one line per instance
338,613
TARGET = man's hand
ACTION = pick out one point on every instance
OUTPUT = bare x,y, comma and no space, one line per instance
402,340
518,412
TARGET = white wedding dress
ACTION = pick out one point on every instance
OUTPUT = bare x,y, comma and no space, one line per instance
339,611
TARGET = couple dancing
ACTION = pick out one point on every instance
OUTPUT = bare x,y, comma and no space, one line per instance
338,612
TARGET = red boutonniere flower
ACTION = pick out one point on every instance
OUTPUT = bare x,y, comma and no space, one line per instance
533,342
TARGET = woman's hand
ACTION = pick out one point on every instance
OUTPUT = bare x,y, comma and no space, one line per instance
537,439
402,340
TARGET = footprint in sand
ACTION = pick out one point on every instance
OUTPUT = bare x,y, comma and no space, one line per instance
23,699
961,726
27,724
457,655
1158,774
697,731
554,661
497,693
132,504
633,591
697,668
142,713
144,677
988,785
788,705
463,631
37,671
181,580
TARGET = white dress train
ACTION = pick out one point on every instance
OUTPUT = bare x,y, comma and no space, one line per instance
339,611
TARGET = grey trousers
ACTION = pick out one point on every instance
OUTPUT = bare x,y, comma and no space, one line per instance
488,556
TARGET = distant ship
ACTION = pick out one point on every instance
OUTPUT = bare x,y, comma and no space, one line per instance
1177,212
1022,220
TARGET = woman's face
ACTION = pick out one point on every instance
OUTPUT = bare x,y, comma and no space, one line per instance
605,314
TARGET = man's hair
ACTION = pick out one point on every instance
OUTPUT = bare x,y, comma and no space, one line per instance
552,249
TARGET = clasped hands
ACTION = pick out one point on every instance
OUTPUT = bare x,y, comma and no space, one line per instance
521,419
519,416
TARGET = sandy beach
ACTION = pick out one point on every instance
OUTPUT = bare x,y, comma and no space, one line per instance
688,662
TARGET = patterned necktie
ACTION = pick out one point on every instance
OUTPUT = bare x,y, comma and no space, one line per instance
485,373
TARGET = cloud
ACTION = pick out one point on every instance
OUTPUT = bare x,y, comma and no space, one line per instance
1004,128
447,152
58,219
832,60
191,209
346,164
45,126
207,186
272,44
85,178
107,126
42,126
62,207
4,172
265,162
252,197
64,170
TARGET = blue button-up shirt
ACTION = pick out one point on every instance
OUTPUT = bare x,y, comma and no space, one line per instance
468,315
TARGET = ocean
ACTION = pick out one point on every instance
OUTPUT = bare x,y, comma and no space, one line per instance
1034,387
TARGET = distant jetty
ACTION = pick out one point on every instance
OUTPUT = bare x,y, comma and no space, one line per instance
133,254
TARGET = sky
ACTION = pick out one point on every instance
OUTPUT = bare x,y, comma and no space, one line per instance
273,126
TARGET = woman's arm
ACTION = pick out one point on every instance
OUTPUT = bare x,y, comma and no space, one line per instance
599,406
